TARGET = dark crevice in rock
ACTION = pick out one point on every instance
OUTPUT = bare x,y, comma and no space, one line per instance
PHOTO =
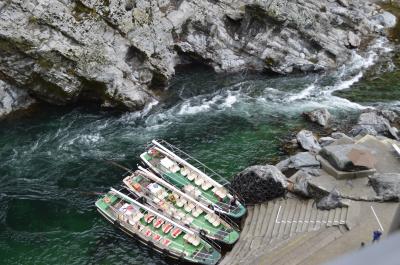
135,56
47,91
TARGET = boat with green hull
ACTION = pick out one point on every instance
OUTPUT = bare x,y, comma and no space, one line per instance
193,178
181,207
156,230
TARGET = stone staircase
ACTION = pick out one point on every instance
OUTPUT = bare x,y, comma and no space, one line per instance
282,226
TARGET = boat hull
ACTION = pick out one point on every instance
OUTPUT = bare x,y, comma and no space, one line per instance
166,254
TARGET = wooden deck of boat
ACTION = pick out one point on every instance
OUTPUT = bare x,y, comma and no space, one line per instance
286,232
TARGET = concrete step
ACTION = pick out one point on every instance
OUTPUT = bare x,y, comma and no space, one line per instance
296,215
249,237
307,216
291,218
254,219
325,218
229,257
352,218
261,250
262,221
303,210
343,215
279,253
282,221
272,221
313,218
268,216
305,249
318,220
336,220
277,219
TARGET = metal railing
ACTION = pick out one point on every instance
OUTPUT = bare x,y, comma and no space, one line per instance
210,228
181,248
201,166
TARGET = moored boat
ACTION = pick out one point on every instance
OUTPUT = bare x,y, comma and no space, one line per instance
181,207
156,230
194,178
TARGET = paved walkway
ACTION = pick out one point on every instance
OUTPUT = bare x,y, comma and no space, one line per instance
275,223
294,232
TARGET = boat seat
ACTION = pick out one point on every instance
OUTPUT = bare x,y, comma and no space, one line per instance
199,181
181,202
175,168
157,237
184,171
189,207
178,216
197,211
188,220
158,222
166,228
220,192
206,185
181,214
167,163
196,241
197,193
156,200
191,176
149,218
176,232
148,232
166,242
216,223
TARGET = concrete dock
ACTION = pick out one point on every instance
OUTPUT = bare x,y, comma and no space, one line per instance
294,232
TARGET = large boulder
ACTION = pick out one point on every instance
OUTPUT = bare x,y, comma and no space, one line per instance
308,141
386,19
331,201
386,185
374,122
354,40
298,161
337,156
258,184
320,116
300,183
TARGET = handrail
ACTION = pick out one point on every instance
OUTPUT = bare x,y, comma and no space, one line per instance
171,187
213,229
169,153
115,211
127,198
227,183
183,184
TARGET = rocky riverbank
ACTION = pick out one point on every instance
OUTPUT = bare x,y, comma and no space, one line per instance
324,169
121,53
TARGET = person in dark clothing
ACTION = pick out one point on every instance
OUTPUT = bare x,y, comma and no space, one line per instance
376,236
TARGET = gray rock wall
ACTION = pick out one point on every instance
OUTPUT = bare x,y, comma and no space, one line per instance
118,52
12,98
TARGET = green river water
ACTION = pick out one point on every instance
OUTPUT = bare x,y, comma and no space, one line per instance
52,158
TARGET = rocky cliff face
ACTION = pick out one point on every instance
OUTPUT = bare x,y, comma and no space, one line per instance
119,52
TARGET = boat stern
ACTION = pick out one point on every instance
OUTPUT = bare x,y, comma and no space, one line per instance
239,212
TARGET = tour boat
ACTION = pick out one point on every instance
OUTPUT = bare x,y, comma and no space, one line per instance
181,207
156,230
194,178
